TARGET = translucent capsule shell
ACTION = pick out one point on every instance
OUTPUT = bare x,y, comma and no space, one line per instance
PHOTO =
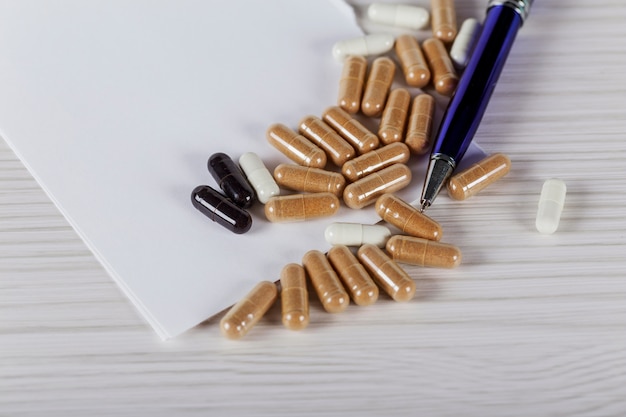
294,297
444,76
374,44
350,129
393,120
300,207
407,218
366,190
351,83
412,61
550,206
295,147
377,86
477,177
419,129
259,176
423,252
355,278
464,42
375,160
386,273
443,20
309,180
398,15
326,283
244,315
356,234
337,149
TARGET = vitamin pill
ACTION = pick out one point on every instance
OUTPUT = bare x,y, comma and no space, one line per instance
351,83
299,207
377,86
366,190
478,176
295,147
350,129
309,180
423,252
318,132
418,132
407,218
464,42
329,289
443,19
244,315
374,44
356,234
412,61
220,209
375,160
386,273
231,180
294,297
398,15
444,76
394,116
355,278
550,206
258,176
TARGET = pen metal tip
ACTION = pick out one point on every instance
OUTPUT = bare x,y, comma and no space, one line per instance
424,205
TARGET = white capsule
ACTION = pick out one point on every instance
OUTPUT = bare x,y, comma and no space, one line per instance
356,234
398,15
550,206
260,178
464,42
374,44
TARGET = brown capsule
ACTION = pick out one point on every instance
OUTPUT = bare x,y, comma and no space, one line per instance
295,147
423,252
478,176
418,132
444,76
329,289
359,167
248,311
355,278
387,274
294,297
350,129
351,83
309,180
394,117
407,218
412,61
366,190
299,207
377,86
443,20
318,132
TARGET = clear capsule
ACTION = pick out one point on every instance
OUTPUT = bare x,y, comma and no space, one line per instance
477,177
444,76
407,218
366,190
464,42
326,283
443,18
355,278
550,206
398,15
375,160
300,207
423,252
394,116
377,86
259,176
351,83
356,234
294,297
337,149
419,129
350,129
309,180
296,147
244,315
374,44
412,60
386,273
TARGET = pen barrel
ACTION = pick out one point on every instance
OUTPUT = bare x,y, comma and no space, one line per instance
465,111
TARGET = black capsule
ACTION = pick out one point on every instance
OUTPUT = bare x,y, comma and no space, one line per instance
220,209
231,180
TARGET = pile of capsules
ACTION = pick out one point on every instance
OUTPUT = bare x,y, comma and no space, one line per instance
369,169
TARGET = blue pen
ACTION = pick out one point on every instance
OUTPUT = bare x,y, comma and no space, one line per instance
467,106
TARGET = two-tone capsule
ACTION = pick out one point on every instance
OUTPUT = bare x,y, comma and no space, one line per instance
423,252
407,218
309,180
300,207
244,315
444,76
259,176
355,278
294,297
350,129
372,161
337,149
418,132
386,273
412,60
351,83
356,234
393,120
231,180
377,86
295,147
326,283
477,177
366,190
220,209
374,44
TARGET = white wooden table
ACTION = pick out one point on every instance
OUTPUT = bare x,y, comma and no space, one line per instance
528,325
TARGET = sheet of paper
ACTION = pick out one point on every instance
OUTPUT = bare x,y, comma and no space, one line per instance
115,107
